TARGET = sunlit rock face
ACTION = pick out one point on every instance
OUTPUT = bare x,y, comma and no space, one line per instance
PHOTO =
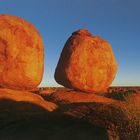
21,53
87,63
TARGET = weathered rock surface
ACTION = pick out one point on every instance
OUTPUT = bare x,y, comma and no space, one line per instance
87,63
21,54
24,96
121,118
76,118
70,96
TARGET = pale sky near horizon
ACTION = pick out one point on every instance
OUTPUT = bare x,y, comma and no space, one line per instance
117,21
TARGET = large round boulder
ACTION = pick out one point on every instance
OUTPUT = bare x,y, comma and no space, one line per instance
21,53
87,63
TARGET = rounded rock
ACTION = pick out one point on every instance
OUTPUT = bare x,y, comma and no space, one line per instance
87,63
21,53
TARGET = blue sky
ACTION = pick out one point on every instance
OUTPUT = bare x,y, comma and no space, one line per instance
117,21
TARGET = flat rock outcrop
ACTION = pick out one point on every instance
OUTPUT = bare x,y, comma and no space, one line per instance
70,96
78,115
121,118
21,54
87,63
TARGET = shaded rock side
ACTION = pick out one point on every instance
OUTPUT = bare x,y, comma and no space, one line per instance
87,63
21,54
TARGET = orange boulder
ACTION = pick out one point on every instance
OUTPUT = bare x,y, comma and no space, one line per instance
21,53
87,63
